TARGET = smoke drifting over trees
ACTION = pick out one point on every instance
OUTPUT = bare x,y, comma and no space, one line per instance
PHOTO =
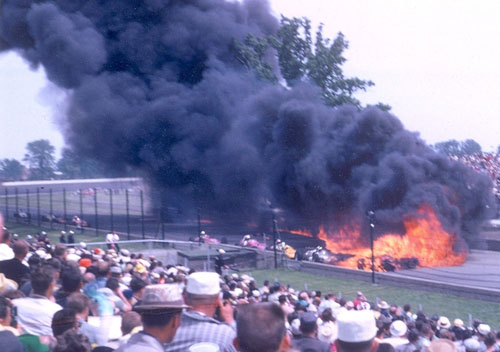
155,85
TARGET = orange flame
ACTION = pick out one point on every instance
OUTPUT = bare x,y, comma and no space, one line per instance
424,239
299,232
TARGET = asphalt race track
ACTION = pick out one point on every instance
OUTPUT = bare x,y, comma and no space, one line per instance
481,270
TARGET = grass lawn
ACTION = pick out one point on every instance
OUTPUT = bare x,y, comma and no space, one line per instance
450,306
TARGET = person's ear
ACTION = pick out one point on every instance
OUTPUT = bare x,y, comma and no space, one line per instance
285,344
236,344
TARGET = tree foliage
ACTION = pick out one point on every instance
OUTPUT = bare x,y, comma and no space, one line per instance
72,166
301,58
457,148
40,159
11,170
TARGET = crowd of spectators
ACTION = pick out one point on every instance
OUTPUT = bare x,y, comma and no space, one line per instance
65,298
488,163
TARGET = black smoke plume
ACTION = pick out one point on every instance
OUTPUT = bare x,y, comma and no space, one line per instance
153,84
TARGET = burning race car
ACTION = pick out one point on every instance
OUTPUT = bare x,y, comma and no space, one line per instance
318,255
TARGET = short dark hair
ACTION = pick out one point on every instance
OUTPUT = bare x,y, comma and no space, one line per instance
103,269
71,278
112,283
137,284
5,304
158,318
64,319
41,278
59,250
413,335
363,346
250,320
20,248
385,347
78,302
130,320
71,340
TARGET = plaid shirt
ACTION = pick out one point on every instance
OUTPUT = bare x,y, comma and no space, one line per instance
196,327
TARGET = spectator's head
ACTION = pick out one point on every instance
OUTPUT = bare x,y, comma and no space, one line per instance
356,331
160,310
72,341
43,280
385,347
308,324
398,328
252,338
64,319
202,292
6,237
71,279
413,336
490,339
79,303
130,320
471,345
20,249
5,308
442,345
327,315
112,283
60,251
102,269
137,285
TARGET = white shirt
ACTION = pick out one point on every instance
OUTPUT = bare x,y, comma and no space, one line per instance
110,238
35,313
6,252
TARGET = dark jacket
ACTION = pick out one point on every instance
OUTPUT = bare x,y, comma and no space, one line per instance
15,270
309,344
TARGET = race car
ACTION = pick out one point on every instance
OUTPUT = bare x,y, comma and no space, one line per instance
204,238
318,255
249,242
285,248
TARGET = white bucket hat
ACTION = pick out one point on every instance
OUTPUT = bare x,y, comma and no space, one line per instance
356,326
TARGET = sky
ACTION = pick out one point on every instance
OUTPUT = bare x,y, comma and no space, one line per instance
437,63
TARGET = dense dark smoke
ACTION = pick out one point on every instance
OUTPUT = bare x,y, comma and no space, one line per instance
153,84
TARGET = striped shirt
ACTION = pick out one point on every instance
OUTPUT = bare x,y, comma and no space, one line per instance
196,327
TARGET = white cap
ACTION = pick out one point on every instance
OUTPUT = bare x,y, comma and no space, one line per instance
203,283
483,329
204,347
221,251
356,326
471,344
398,328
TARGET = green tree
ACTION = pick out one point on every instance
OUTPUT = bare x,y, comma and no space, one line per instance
451,147
11,170
457,148
300,58
40,159
74,166
470,146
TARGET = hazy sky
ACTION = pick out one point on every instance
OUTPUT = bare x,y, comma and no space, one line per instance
437,63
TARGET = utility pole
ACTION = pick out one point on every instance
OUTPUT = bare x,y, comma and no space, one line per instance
371,218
